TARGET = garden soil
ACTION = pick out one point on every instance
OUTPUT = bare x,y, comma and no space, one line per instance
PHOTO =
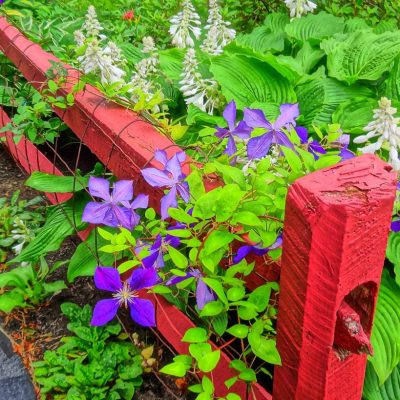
25,335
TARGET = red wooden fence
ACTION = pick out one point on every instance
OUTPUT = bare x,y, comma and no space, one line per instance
336,227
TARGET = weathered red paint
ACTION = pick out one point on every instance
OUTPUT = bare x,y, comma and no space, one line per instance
335,233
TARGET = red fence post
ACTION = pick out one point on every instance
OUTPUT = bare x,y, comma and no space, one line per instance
335,234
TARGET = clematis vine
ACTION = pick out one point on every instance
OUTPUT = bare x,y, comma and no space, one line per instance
258,250
258,147
116,209
241,130
171,176
312,146
158,249
125,294
204,294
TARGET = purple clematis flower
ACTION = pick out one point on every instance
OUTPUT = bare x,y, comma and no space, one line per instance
204,294
171,177
343,141
258,147
243,251
241,130
313,146
395,226
141,201
124,294
158,249
111,211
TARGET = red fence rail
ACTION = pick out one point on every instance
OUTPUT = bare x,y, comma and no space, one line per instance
331,267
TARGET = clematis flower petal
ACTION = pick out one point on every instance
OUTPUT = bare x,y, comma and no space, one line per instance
95,213
143,312
256,119
107,278
203,294
395,225
289,113
176,279
302,133
242,130
104,311
99,187
259,146
123,191
231,146
119,216
161,156
142,278
174,167
230,115
183,189
157,178
242,252
221,132
283,140
141,201
169,200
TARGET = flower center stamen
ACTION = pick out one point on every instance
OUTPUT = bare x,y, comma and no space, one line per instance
125,295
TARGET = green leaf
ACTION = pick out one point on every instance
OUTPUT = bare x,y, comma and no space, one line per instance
171,62
248,375
181,216
10,300
236,293
209,361
195,335
326,161
363,55
260,296
175,369
217,240
373,390
217,287
315,27
248,79
85,259
212,308
56,184
391,85
320,97
386,330
177,258
239,330
246,218
59,224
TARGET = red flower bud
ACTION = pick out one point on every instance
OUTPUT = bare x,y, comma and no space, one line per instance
129,15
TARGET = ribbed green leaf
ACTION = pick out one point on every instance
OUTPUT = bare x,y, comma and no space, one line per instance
319,98
262,39
171,63
385,337
363,55
391,85
389,25
56,184
356,24
390,390
355,114
59,224
315,27
276,22
248,80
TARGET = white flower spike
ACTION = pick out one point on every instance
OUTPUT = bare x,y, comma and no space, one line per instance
385,128
300,7
185,26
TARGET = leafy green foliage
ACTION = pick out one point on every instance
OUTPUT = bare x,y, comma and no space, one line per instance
95,363
28,285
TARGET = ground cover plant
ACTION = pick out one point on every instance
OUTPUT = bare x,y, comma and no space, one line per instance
305,87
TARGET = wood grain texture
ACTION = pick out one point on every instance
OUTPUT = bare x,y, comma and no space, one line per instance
335,234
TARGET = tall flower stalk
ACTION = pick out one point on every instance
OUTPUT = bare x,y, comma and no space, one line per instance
185,26
300,7
203,93
384,127
218,32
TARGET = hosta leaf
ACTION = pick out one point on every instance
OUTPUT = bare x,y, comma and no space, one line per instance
390,390
247,80
385,337
389,25
319,98
355,114
276,22
391,85
315,27
262,39
356,24
363,55
171,63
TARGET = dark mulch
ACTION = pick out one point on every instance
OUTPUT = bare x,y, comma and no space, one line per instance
34,331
